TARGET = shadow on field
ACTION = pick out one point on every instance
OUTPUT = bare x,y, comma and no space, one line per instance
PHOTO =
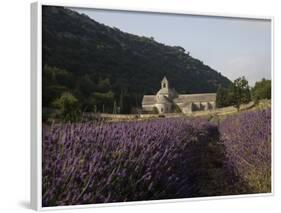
213,176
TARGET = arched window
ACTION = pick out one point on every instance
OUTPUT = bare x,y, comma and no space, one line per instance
164,85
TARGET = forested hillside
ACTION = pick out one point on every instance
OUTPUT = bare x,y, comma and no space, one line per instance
103,67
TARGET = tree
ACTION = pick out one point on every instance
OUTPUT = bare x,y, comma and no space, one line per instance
86,85
261,90
121,101
180,49
225,96
69,107
241,92
55,81
104,85
114,107
126,101
102,102
222,99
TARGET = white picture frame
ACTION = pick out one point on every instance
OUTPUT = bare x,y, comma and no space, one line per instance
36,103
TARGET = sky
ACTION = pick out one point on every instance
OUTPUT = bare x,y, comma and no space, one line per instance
234,47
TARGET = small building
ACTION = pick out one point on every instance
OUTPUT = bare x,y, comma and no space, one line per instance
167,100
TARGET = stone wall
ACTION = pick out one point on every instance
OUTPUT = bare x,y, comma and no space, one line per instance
128,117
147,108
197,106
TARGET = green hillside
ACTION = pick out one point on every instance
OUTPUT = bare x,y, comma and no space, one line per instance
103,67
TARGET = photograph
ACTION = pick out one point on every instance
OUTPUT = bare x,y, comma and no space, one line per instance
146,106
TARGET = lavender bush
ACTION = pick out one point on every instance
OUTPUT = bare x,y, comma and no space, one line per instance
99,163
96,162
247,140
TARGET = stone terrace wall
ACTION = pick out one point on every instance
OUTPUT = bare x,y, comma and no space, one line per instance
127,117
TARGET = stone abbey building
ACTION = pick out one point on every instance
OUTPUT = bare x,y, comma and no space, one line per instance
167,100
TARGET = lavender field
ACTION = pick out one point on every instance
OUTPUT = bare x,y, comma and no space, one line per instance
247,140
95,162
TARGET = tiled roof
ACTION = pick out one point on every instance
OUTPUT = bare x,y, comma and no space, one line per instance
188,98
148,99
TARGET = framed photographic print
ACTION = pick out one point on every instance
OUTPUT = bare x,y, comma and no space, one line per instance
151,106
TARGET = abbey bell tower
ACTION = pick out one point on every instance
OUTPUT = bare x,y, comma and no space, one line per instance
164,83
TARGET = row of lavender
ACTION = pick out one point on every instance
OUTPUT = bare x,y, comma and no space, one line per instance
247,141
97,163
159,159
